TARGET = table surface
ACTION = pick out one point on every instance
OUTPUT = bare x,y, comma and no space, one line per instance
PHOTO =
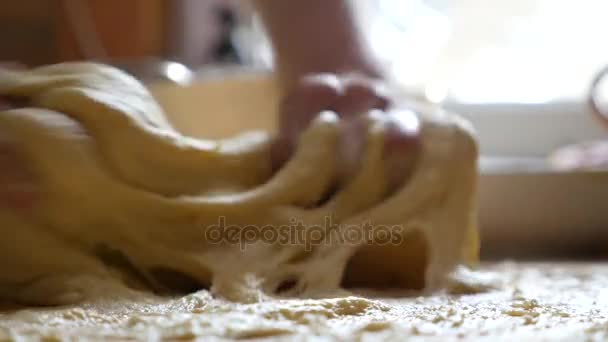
500,301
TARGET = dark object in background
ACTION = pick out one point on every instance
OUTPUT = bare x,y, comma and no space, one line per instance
198,32
27,31
193,32
226,51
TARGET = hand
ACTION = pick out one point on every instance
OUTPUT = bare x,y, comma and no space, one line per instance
16,182
349,96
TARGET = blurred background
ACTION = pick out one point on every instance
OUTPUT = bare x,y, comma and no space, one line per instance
193,32
446,47
520,70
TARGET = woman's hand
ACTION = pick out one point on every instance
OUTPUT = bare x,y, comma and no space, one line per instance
350,96
17,190
317,44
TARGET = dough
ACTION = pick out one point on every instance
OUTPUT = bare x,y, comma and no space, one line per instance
127,200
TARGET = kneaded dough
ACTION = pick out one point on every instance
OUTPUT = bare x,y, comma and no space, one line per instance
127,200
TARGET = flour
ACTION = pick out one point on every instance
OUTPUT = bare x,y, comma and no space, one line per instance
535,302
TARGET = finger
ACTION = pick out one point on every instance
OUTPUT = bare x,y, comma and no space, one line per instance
403,128
352,145
402,144
329,79
311,96
359,96
280,151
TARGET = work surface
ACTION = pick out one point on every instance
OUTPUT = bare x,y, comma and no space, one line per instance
527,302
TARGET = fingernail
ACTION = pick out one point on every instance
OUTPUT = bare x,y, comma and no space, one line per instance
329,79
